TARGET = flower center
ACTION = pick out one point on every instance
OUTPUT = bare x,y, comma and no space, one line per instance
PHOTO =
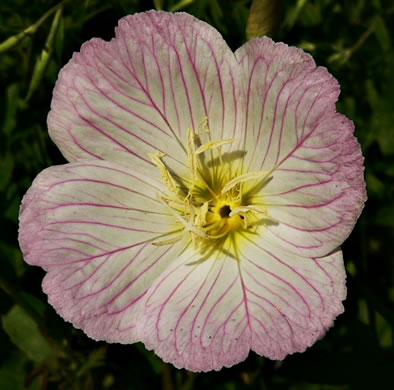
213,200
225,211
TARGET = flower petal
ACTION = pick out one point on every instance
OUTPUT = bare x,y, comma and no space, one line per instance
316,189
203,314
90,225
187,318
292,300
140,92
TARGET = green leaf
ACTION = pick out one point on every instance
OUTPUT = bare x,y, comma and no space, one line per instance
382,34
385,216
355,10
351,268
12,94
6,168
13,374
59,39
95,359
12,210
311,15
363,311
372,93
217,15
374,185
383,330
180,5
154,361
293,14
24,333
307,46
158,4
376,4
264,18
381,102
383,125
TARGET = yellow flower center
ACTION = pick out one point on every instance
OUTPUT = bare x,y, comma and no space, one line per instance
213,200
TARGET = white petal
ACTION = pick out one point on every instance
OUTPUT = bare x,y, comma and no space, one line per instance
91,225
205,312
316,189
140,92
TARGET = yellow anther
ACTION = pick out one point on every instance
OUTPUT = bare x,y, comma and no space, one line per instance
213,144
245,209
201,217
191,157
203,125
165,175
171,210
245,221
188,224
169,200
242,178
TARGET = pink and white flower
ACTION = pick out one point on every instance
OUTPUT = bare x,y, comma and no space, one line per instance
206,195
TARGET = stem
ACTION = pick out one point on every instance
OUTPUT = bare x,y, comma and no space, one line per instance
363,37
42,61
29,31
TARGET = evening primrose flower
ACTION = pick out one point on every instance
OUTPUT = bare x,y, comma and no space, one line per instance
206,195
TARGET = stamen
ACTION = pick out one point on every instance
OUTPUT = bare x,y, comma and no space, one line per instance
173,201
171,210
203,125
245,209
165,175
242,178
213,144
191,157
201,218
188,225
169,241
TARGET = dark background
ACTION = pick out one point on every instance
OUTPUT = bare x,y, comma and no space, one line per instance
354,40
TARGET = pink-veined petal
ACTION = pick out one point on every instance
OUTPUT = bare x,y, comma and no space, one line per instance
316,190
292,300
162,74
90,225
187,318
206,313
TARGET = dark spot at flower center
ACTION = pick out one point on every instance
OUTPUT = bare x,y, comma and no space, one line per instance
225,211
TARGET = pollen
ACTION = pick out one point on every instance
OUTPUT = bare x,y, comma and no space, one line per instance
212,200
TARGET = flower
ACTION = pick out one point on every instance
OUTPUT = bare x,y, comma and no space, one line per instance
206,196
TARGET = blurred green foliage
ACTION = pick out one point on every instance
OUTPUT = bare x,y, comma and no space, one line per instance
354,39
